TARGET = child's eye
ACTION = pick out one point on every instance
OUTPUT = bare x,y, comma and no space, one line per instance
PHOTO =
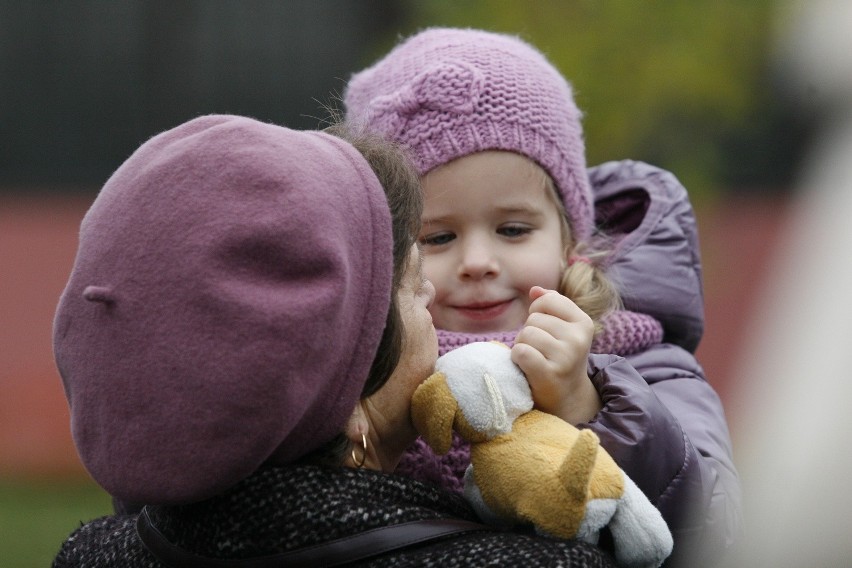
437,239
514,231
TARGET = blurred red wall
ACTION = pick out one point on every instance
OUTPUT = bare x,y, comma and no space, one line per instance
38,240
739,236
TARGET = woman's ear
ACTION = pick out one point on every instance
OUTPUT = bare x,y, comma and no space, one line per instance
357,423
356,431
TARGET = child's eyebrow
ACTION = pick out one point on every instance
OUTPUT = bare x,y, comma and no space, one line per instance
514,208
527,209
442,219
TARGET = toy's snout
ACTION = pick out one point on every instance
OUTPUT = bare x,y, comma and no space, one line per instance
476,390
433,410
490,390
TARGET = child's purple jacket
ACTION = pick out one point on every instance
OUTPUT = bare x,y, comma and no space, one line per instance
668,432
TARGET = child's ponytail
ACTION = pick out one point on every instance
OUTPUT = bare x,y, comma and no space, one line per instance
583,278
585,282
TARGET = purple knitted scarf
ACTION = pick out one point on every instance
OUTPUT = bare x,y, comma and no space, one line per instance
624,333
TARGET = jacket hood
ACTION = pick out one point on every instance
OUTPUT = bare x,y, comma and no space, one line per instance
655,260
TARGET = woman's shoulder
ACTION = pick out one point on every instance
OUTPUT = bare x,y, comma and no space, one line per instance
501,548
113,541
104,542
342,503
474,548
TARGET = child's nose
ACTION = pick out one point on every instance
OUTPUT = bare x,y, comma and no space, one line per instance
478,260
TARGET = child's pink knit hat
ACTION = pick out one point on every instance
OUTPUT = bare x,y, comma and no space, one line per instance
447,93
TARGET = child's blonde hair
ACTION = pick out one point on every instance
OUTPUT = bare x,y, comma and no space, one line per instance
583,279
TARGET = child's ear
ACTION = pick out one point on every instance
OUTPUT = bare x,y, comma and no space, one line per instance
433,410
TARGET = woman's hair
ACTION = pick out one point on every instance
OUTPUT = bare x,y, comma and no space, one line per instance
395,171
583,280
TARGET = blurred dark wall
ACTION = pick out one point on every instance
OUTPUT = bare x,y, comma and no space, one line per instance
85,82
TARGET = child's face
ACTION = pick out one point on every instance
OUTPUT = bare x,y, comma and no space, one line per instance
490,232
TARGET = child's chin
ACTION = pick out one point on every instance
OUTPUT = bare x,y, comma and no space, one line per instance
483,326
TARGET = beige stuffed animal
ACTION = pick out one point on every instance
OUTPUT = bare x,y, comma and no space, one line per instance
529,466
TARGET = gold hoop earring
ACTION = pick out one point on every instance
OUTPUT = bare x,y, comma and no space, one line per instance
360,464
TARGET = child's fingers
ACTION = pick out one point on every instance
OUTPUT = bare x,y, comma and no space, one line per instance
556,339
538,291
541,338
556,304
529,359
561,318
559,328
562,351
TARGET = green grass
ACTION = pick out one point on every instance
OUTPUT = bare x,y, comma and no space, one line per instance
37,516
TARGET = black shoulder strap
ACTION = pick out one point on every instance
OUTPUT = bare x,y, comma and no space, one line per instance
333,553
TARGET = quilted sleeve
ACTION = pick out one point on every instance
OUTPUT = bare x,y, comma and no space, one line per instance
665,426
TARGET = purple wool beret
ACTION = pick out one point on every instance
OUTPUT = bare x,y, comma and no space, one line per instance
226,303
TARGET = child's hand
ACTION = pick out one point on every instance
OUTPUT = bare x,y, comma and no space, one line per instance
552,350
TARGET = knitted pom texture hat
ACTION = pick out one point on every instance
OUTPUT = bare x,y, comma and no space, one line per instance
447,93
227,299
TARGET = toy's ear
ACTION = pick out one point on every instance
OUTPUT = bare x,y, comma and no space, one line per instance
433,409
495,420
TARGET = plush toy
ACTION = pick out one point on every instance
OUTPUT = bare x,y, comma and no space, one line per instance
531,467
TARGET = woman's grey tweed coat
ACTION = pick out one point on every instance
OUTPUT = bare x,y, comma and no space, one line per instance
282,508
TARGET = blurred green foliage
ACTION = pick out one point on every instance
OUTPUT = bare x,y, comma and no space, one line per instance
684,85
37,517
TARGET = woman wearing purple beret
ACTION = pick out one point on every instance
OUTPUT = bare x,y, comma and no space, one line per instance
239,339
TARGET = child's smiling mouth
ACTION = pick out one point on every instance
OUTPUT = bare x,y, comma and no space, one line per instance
483,310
